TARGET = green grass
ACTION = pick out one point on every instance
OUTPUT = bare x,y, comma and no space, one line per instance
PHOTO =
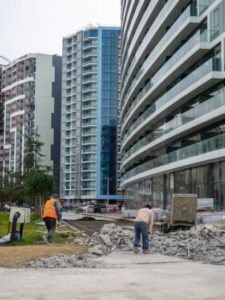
32,232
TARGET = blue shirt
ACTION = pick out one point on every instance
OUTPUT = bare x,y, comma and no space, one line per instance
58,211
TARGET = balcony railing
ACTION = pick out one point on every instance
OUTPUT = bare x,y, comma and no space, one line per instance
90,79
203,6
89,62
179,120
202,147
85,124
170,33
92,70
211,65
190,44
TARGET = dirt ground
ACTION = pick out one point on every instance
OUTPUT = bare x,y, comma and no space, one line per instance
18,256
91,226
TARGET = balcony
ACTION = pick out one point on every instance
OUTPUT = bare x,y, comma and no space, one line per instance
89,107
89,97
89,89
89,116
175,127
89,71
92,159
89,142
149,14
89,150
90,62
88,178
90,53
181,155
89,79
204,76
89,124
183,24
203,6
89,133
93,44
88,187
186,55
88,169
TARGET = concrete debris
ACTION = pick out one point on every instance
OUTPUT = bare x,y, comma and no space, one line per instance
63,261
205,243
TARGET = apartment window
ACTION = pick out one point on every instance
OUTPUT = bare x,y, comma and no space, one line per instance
90,33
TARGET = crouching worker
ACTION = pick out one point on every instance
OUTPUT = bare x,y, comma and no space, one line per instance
51,213
143,225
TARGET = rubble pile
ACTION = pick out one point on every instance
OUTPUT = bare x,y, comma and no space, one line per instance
205,243
63,261
110,238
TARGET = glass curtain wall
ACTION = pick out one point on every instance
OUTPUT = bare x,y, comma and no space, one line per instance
109,111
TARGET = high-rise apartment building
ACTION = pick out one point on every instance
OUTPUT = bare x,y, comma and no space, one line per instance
173,100
31,95
1,120
89,114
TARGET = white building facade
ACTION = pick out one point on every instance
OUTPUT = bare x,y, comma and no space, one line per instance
173,100
31,96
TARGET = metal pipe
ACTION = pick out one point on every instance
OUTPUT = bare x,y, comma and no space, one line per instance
15,218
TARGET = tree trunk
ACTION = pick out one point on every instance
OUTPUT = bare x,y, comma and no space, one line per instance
38,207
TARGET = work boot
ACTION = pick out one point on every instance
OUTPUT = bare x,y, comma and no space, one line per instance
146,251
45,238
135,249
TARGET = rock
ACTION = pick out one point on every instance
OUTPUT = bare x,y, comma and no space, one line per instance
96,250
106,240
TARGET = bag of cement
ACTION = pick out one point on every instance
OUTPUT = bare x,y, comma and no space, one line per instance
211,218
130,213
160,215
5,239
205,203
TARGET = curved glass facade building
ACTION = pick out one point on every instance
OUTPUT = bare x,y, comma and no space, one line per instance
172,100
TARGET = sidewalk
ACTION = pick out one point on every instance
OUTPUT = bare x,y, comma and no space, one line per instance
121,275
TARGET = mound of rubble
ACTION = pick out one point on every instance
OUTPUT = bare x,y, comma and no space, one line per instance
205,243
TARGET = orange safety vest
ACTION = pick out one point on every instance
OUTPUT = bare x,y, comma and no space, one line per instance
49,209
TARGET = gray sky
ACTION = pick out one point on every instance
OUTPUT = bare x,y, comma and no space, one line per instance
39,25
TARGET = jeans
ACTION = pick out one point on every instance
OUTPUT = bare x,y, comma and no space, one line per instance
141,228
51,226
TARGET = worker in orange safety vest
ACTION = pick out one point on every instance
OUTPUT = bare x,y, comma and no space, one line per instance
51,214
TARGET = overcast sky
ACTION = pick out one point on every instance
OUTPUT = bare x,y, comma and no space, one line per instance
39,25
